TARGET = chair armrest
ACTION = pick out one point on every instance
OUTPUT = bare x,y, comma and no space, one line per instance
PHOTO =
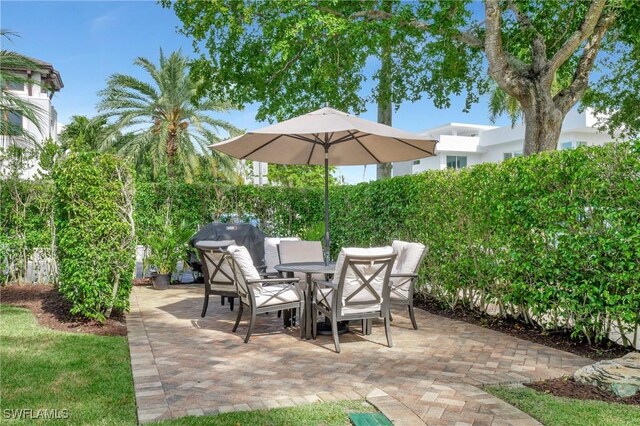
273,280
269,274
407,275
326,283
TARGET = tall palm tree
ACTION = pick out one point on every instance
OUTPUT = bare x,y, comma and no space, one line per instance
171,128
12,106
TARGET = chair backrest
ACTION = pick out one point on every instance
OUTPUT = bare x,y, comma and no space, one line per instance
271,256
216,267
243,269
362,276
409,258
300,251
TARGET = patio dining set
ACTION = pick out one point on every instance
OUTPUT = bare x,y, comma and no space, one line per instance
298,283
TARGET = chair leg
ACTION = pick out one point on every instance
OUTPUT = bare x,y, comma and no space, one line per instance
387,329
206,304
235,326
390,316
314,322
301,320
286,318
231,300
222,300
251,324
334,332
363,322
413,317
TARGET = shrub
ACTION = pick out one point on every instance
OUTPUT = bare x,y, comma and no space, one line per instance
95,233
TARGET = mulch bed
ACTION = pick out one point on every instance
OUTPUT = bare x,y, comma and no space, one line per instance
569,388
52,310
561,340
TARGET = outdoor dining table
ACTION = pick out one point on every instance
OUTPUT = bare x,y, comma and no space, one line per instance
310,269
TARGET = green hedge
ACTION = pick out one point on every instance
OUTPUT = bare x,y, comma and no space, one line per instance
26,216
94,233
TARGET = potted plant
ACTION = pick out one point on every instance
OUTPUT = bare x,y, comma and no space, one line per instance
167,248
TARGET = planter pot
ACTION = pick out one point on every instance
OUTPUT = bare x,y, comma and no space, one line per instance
161,281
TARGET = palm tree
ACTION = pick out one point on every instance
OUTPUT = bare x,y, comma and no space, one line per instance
93,133
170,128
13,107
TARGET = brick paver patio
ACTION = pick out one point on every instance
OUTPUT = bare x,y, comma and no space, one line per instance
187,365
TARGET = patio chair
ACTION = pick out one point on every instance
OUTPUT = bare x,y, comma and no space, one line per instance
218,275
271,255
359,290
259,294
301,251
404,275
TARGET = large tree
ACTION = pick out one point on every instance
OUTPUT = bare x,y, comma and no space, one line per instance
170,129
292,56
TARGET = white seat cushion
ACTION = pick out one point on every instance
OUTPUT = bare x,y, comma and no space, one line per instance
271,257
352,283
324,296
244,261
409,255
407,262
275,294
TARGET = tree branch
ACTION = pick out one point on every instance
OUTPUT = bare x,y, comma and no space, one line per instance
538,46
504,69
379,15
591,19
568,97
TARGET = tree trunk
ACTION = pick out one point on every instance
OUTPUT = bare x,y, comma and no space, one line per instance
385,113
383,170
543,124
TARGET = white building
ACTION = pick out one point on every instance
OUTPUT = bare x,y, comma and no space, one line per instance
46,82
462,145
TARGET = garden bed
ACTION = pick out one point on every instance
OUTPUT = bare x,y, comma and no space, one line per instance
569,388
52,310
561,340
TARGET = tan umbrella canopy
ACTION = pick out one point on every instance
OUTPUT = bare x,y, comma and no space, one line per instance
330,137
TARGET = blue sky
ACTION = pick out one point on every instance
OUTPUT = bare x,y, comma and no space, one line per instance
87,41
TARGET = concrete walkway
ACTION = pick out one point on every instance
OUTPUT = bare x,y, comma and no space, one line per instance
187,365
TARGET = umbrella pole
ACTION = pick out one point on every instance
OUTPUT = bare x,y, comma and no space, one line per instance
327,239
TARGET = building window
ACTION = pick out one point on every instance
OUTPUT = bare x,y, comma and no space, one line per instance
15,85
456,162
572,144
416,162
514,154
12,123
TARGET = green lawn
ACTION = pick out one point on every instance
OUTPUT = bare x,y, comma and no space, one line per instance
89,378
555,411
43,369
326,414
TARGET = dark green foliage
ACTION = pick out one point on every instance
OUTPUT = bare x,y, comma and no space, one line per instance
95,233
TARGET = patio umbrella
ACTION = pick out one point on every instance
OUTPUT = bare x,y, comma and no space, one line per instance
330,137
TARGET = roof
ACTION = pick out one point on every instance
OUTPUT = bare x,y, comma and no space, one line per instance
49,73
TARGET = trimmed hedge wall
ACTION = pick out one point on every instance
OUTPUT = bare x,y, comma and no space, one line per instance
95,238
553,239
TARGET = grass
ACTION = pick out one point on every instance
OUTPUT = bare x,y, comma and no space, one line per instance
556,411
85,376
326,414
88,377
